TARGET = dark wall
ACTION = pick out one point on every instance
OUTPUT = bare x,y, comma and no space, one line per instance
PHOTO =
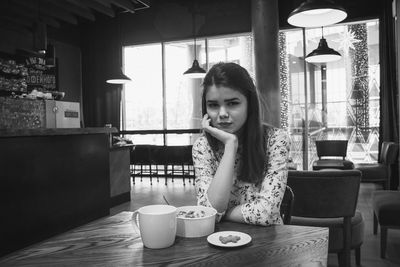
69,71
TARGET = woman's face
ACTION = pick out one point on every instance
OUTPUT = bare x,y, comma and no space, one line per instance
227,108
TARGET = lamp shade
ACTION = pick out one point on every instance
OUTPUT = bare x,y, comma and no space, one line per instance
195,71
316,13
119,78
323,53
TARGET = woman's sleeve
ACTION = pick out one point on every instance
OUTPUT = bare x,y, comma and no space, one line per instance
204,166
264,208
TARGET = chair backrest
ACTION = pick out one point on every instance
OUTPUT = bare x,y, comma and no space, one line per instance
162,155
389,153
179,155
331,148
287,205
325,194
141,154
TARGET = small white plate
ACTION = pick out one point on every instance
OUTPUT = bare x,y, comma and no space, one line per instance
214,239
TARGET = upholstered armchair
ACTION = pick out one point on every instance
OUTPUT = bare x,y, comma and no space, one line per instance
386,207
380,172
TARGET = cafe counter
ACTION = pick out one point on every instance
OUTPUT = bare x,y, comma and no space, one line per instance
52,180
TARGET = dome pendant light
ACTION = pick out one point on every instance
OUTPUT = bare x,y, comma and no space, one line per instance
317,13
195,71
323,53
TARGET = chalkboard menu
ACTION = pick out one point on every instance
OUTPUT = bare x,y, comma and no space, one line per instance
40,76
23,72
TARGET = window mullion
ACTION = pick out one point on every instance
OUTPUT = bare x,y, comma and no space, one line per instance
164,92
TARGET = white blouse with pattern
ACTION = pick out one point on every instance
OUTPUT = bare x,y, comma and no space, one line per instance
260,204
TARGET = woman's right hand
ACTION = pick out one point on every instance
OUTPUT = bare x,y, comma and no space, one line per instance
224,137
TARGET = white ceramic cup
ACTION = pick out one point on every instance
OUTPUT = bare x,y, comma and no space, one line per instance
157,225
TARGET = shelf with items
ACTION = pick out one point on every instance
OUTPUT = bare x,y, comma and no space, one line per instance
12,77
25,75
10,68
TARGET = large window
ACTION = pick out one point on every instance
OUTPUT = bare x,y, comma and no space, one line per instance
337,100
143,97
161,97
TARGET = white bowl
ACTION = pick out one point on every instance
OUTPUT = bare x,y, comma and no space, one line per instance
196,227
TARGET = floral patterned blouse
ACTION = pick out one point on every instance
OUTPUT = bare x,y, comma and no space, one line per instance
259,204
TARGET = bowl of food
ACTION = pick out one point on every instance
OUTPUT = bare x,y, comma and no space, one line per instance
195,221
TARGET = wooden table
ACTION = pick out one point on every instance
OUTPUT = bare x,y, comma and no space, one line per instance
115,241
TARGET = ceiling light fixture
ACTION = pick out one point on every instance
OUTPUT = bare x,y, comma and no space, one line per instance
117,75
317,13
195,71
323,53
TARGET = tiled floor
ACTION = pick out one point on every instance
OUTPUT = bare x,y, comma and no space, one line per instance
143,193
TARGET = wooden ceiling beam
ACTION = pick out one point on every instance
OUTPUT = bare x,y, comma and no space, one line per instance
141,4
103,2
106,10
125,4
72,8
47,10
25,22
9,26
23,12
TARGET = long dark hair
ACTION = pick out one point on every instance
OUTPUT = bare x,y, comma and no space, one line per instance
252,139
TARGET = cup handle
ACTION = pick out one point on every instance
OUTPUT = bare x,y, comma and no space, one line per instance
135,219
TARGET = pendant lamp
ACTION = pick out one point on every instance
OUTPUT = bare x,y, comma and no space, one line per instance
317,13
117,75
195,71
323,53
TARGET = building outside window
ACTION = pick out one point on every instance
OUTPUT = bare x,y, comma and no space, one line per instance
341,98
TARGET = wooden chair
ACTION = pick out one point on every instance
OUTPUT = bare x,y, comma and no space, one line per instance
329,199
332,155
162,161
381,171
287,205
179,163
142,163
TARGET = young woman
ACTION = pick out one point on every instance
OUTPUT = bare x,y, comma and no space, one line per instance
240,164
